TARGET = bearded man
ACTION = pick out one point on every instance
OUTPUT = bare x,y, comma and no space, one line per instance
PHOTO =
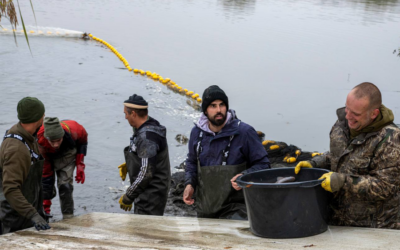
221,148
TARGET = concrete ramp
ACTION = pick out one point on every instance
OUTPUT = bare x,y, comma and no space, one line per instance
128,231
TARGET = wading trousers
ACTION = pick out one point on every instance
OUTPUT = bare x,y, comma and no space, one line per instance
64,168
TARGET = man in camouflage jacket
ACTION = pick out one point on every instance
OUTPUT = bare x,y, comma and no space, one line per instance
364,158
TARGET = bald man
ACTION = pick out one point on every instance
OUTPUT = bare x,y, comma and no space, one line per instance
364,158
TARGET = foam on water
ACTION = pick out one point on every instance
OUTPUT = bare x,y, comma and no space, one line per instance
41,31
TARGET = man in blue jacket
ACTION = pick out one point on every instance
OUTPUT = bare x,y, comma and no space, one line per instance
221,148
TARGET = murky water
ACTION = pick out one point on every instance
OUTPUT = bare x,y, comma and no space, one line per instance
286,66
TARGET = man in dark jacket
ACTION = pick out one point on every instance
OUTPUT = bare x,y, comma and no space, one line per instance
147,161
21,171
221,148
364,158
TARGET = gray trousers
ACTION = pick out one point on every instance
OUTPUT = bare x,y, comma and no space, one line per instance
64,168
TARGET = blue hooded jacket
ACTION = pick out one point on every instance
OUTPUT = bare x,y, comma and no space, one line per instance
245,147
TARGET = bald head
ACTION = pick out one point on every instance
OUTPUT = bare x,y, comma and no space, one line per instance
370,92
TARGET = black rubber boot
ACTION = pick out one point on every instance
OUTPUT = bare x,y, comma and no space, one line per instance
66,199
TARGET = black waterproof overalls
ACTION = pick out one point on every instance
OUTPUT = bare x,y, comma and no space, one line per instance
215,197
10,219
154,198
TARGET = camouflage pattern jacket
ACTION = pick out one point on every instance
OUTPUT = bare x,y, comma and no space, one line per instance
370,196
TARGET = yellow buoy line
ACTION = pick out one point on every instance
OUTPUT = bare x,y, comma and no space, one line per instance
165,81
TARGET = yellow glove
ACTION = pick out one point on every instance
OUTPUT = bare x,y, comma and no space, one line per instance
302,164
333,182
326,184
315,154
125,203
122,171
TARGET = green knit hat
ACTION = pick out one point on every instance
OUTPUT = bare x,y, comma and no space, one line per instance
30,110
52,128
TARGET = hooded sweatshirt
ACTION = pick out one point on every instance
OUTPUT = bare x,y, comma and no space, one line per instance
245,147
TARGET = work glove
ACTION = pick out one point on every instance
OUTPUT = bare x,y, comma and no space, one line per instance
315,154
125,203
80,169
39,222
333,182
122,171
302,164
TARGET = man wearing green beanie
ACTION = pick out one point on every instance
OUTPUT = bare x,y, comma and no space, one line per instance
30,110
21,169
63,146
364,160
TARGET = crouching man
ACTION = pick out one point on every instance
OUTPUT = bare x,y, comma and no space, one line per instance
63,145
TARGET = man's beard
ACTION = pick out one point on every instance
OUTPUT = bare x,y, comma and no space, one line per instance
218,122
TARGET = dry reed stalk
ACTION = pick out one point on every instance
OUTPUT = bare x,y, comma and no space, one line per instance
7,10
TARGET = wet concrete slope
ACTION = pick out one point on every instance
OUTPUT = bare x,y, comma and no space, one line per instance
123,231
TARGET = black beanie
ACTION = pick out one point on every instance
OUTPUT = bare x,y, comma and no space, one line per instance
136,102
211,94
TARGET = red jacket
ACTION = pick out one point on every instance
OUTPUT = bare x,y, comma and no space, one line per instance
75,134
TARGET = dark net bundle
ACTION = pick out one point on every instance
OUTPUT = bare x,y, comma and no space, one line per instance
282,155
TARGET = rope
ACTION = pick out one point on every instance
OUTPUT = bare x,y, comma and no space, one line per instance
165,81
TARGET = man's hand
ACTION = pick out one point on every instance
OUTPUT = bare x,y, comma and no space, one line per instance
234,184
125,203
39,222
123,171
302,164
333,182
80,169
80,174
188,194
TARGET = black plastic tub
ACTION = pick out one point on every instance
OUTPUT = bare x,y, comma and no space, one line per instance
286,210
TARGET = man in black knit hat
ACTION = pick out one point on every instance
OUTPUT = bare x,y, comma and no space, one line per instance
221,148
147,161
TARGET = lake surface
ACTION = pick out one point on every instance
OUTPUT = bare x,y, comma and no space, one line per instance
285,65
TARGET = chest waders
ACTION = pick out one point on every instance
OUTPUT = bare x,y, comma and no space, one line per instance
153,199
31,189
64,166
215,196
